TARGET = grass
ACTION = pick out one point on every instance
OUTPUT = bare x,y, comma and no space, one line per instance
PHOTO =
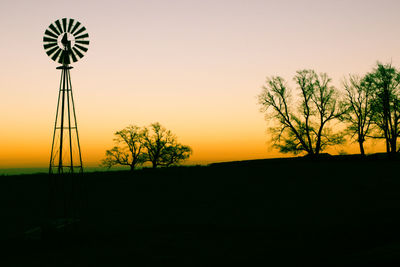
335,211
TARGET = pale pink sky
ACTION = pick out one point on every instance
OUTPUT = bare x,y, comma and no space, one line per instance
194,66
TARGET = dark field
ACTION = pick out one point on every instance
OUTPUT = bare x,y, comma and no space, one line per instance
339,211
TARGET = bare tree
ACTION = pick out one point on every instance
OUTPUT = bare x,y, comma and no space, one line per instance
135,146
386,103
174,154
302,127
359,112
162,147
128,150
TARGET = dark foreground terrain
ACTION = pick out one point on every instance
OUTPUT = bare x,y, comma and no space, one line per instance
337,211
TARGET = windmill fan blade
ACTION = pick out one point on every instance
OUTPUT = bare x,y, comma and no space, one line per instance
54,57
77,52
74,59
51,51
70,48
54,29
64,24
80,30
75,27
82,42
71,22
58,24
49,45
82,36
84,49
47,39
49,33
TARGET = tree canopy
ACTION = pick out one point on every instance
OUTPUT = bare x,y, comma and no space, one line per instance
385,80
359,94
302,126
302,122
155,144
162,146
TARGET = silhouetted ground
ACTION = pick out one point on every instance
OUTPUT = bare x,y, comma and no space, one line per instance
335,211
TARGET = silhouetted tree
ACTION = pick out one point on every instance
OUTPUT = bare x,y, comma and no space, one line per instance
162,148
174,154
129,149
302,127
386,103
358,105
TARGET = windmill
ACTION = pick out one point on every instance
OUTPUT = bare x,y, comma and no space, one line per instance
65,41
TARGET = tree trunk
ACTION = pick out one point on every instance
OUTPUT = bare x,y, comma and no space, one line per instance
154,164
318,146
319,136
132,167
393,146
387,142
361,143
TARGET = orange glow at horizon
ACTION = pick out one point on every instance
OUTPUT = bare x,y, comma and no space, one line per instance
194,66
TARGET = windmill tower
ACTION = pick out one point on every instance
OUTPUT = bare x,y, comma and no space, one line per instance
65,41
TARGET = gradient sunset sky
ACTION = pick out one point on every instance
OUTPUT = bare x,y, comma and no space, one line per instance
194,66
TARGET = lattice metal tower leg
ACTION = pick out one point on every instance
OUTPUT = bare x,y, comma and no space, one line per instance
67,191
65,149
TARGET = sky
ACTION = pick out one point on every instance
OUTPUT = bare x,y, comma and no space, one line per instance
194,66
